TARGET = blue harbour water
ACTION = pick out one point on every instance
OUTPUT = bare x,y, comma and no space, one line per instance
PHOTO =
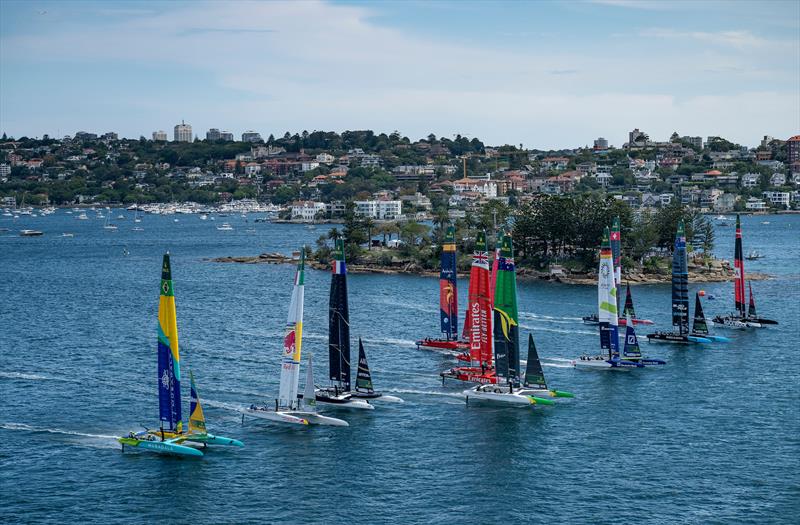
713,437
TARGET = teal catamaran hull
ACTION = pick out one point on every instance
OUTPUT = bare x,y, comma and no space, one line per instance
161,447
211,439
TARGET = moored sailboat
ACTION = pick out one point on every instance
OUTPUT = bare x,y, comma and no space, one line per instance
448,300
290,407
171,438
745,315
507,388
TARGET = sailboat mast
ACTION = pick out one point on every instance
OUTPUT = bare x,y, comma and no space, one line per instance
293,340
616,252
169,368
448,291
480,307
506,316
607,299
680,282
738,264
339,322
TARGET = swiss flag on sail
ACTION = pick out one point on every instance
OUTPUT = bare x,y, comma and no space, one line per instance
614,236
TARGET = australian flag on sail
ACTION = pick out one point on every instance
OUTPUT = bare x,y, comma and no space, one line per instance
505,264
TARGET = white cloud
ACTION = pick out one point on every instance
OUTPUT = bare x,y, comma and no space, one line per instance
313,65
738,39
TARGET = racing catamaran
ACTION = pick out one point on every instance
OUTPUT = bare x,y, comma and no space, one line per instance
478,327
364,387
339,393
507,388
609,358
680,298
448,300
290,406
629,311
616,252
171,438
534,384
745,316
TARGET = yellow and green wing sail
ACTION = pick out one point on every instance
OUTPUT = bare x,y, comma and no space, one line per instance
169,367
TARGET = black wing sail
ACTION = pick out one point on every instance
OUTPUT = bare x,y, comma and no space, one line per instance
628,310
339,322
680,283
363,377
534,375
700,326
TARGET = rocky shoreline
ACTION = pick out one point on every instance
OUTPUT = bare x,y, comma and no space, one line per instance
718,272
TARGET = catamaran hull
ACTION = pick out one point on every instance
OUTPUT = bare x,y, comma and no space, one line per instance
545,394
470,374
742,323
677,339
376,396
344,401
444,344
623,321
296,417
160,447
504,398
497,396
211,439
601,364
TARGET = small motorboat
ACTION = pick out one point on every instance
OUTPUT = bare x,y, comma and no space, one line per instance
225,227
754,255
30,233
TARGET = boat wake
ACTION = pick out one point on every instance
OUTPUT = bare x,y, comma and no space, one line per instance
423,392
557,362
549,318
27,428
558,365
405,373
392,341
32,377
556,330
227,406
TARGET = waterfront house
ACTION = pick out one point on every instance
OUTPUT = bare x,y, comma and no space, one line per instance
754,204
778,199
750,180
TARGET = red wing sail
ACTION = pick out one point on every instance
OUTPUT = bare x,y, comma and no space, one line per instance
479,309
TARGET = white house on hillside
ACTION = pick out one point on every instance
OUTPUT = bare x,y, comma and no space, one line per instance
306,211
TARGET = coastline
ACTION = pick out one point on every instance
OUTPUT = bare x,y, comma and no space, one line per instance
715,275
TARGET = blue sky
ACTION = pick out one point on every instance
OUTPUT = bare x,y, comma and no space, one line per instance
544,74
